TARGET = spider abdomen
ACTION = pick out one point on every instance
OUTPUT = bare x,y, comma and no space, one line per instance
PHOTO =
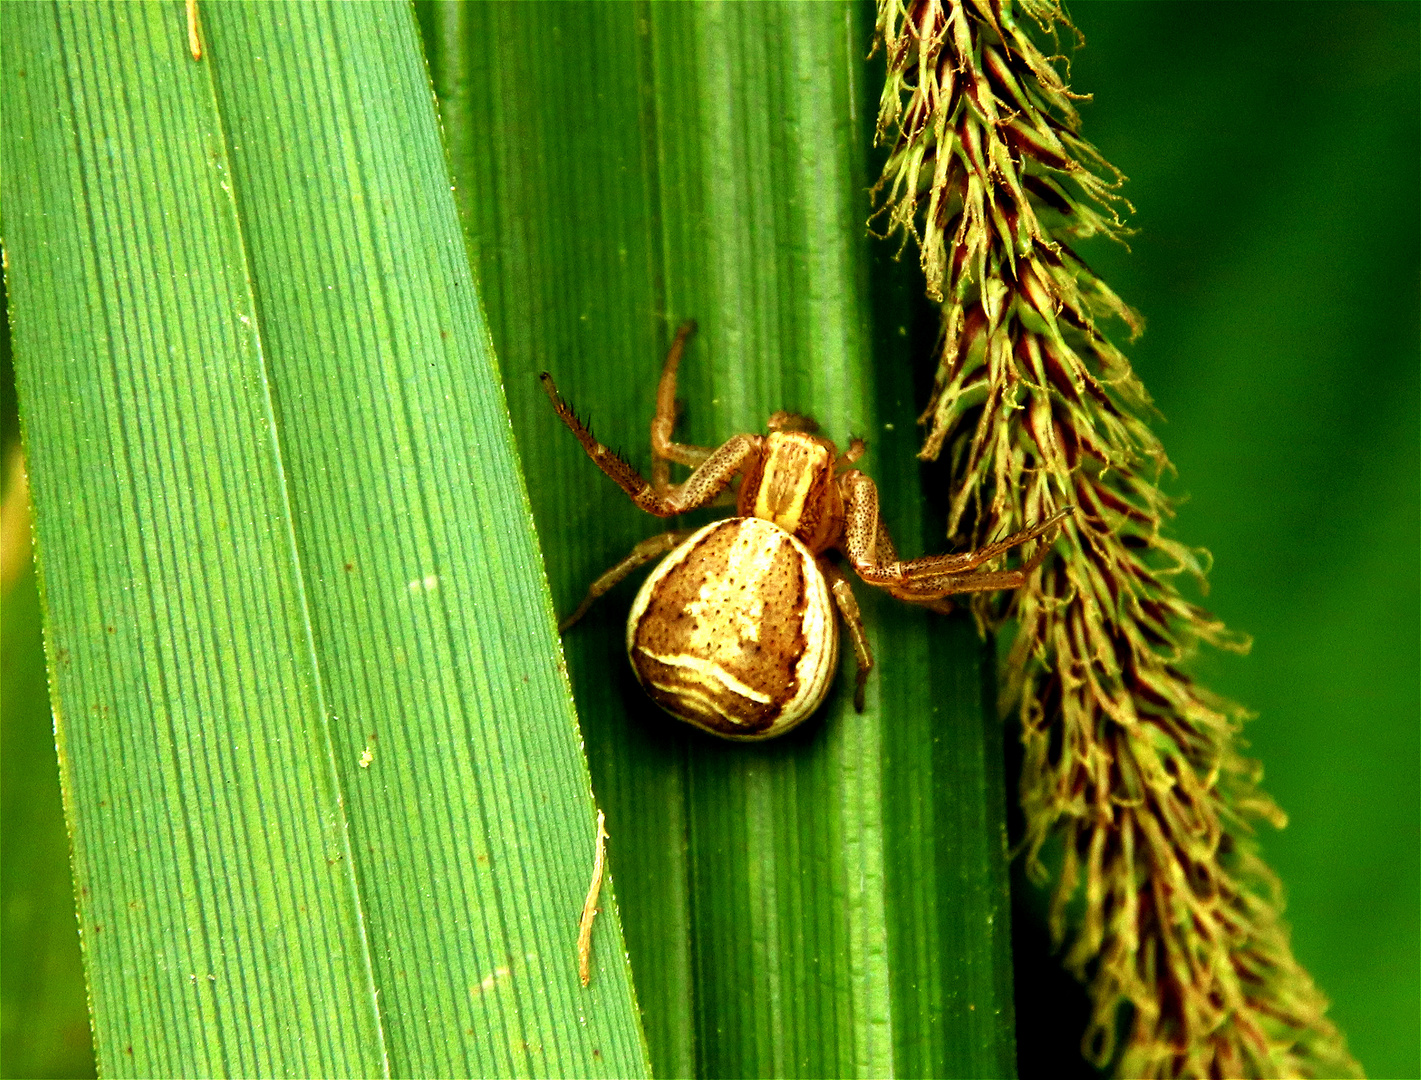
734,631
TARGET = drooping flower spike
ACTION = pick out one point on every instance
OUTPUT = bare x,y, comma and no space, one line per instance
1132,766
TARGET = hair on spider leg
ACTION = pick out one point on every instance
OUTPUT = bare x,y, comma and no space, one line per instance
560,403
551,389
570,417
1000,535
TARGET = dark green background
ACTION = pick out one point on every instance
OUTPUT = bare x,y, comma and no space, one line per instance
1273,152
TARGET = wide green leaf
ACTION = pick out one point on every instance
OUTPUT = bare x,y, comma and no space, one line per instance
322,775
833,903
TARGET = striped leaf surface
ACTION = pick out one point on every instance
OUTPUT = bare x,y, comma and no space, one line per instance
832,903
321,770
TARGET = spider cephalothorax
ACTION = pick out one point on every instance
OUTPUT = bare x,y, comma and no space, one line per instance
735,630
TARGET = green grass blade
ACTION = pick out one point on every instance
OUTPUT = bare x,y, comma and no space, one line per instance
321,771
833,903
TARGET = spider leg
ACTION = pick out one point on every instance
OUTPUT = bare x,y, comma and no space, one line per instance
849,609
887,555
650,549
930,591
857,449
791,421
700,489
663,450
934,576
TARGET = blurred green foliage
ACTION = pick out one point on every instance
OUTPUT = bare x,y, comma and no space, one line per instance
1272,154
1272,151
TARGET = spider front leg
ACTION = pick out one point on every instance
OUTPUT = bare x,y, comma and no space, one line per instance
928,579
663,450
700,489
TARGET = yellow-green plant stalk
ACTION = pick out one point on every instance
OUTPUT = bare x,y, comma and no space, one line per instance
1171,917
